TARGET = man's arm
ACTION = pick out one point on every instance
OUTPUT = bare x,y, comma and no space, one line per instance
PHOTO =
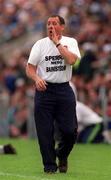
67,55
31,73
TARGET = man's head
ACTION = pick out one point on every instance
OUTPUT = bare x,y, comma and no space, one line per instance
61,19
57,22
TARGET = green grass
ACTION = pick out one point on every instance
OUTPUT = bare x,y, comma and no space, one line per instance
86,162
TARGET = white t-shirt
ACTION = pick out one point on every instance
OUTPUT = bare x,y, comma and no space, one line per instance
86,116
50,64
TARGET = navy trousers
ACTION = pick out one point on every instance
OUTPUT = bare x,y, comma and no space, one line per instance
56,103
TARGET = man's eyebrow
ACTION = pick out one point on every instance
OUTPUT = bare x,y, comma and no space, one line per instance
56,21
53,21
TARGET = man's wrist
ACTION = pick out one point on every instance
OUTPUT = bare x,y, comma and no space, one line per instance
58,44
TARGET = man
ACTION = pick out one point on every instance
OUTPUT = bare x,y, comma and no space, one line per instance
7,149
49,66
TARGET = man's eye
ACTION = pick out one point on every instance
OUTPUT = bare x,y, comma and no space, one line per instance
54,23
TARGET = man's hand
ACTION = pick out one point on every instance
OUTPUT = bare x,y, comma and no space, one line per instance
54,36
40,84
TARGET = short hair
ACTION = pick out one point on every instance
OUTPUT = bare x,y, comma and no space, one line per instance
61,19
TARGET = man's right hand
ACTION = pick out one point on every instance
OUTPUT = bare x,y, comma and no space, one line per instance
41,84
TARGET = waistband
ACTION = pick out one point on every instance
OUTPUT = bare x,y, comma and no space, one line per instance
57,84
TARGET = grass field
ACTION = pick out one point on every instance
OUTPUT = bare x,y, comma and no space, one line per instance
86,162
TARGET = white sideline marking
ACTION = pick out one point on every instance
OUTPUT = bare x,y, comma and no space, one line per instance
22,176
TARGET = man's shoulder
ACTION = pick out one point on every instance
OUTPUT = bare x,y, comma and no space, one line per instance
41,41
68,38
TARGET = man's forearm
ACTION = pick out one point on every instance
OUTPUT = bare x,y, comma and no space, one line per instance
66,54
31,72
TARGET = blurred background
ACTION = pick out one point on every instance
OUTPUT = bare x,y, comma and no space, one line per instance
22,23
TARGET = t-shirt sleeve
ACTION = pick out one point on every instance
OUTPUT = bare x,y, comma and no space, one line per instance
34,56
74,48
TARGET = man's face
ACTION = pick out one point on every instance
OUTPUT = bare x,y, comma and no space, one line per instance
54,23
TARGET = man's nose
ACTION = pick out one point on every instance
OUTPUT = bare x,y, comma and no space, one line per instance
51,27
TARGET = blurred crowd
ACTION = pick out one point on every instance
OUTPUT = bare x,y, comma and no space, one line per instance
86,20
